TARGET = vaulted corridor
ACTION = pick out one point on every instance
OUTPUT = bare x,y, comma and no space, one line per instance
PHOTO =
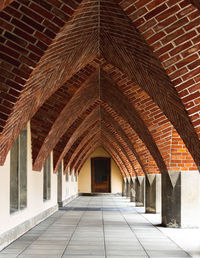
95,227
99,96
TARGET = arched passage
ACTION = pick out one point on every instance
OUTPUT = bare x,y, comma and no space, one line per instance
83,74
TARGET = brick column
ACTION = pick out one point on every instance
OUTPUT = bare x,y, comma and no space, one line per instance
153,193
181,199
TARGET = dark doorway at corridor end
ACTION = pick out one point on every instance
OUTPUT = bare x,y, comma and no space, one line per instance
100,167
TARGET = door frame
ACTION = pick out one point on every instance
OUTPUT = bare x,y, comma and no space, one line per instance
92,172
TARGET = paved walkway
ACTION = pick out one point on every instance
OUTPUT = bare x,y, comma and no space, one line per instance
95,227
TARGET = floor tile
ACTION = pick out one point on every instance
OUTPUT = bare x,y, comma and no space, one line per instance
95,227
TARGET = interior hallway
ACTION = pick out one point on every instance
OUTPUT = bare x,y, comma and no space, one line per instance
96,227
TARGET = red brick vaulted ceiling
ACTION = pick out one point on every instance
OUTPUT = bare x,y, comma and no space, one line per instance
121,74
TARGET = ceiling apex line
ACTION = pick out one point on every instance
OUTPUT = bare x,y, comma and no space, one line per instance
99,87
99,28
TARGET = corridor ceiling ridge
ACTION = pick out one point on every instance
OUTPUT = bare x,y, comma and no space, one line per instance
85,71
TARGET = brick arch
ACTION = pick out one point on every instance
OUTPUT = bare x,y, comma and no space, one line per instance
89,135
116,143
86,155
122,114
107,118
119,148
139,146
87,149
80,165
83,130
99,113
146,70
133,56
99,82
168,161
82,100
81,145
112,153
42,121
49,74
111,95
27,29
115,158
175,113
153,117
171,29
156,121
85,134
86,143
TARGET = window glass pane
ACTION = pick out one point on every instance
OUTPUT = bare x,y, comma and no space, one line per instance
18,173
59,183
14,177
47,180
23,168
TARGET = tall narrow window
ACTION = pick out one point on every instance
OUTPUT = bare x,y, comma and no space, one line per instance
47,180
18,173
59,183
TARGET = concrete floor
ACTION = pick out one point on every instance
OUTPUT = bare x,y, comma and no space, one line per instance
96,227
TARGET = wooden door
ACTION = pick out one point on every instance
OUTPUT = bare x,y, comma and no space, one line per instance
100,168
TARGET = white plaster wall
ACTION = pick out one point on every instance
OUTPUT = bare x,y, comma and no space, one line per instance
35,203
190,199
4,194
84,185
73,185
116,178
84,179
69,188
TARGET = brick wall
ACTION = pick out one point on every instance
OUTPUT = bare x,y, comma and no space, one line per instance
136,62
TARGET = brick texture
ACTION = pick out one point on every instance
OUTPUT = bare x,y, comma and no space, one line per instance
122,74
4,3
